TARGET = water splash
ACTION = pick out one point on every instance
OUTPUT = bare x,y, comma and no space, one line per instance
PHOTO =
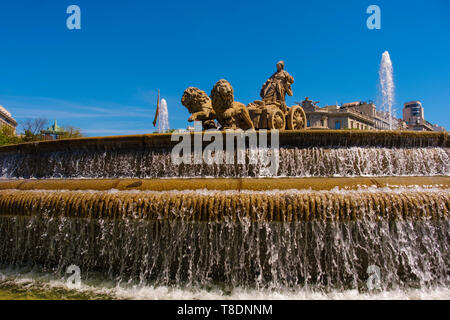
19,283
387,88
294,162
163,115
134,238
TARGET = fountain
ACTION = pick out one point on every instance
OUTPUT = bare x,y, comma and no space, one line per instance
387,88
163,122
340,203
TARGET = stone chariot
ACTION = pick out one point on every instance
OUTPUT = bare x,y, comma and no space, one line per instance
271,112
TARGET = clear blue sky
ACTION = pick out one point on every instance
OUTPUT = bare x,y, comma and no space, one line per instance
104,77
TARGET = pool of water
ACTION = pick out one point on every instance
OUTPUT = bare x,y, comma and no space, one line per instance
15,285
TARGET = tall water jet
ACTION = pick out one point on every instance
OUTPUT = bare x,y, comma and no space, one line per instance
163,122
387,88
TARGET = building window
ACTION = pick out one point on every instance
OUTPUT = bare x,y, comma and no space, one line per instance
337,124
322,124
415,111
307,123
351,124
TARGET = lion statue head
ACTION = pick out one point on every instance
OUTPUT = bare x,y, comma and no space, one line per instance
222,96
195,99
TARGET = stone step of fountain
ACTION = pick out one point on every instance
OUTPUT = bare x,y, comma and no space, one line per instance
256,184
289,138
226,206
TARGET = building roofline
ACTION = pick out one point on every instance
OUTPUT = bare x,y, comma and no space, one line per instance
7,115
411,102
350,114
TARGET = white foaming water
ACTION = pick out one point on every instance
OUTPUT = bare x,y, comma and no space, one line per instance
166,293
394,189
155,259
294,162
46,284
387,88
163,116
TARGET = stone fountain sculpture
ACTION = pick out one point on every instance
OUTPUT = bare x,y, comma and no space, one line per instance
199,106
230,114
140,217
269,113
274,90
137,216
272,112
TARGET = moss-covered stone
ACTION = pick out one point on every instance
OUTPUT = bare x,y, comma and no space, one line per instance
256,184
294,138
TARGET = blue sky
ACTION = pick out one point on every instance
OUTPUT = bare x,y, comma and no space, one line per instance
104,78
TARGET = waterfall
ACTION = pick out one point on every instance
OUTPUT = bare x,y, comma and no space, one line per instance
310,239
294,162
163,116
387,88
386,205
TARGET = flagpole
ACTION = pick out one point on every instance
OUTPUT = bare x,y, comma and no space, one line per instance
157,111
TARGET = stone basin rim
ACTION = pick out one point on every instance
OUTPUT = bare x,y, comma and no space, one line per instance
288,138
222,184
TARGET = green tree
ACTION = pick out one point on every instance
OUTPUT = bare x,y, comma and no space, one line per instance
71,132
7,135
32,129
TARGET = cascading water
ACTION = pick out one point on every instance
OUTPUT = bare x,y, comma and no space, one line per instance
326,240
386,75
234,242
294,162
163,117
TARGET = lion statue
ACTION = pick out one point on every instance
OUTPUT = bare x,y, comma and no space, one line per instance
199,106
229,113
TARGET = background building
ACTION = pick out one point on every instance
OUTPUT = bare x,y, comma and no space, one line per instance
7,120
365,116
368,109
346,116
438,128
53,132
414,117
